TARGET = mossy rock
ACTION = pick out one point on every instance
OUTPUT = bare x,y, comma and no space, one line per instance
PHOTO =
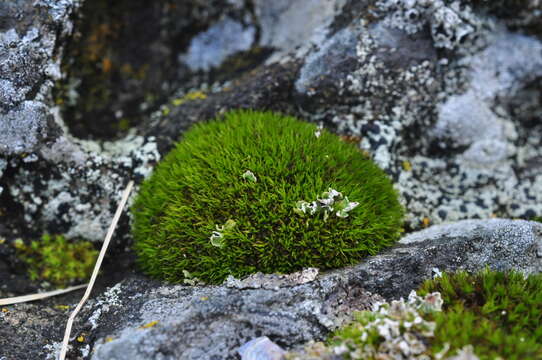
260,192
500,314
487,315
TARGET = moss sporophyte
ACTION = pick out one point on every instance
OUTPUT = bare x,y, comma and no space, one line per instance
257,191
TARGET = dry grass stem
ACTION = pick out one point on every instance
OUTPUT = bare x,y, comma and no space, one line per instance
112,227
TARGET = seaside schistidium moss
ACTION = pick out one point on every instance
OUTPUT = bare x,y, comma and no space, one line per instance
257,191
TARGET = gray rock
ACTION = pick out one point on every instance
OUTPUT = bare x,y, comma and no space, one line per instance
294,26
210,48
450,22
144,320
261,349
22,128
73,185
336,54
28,69
445,129
200,322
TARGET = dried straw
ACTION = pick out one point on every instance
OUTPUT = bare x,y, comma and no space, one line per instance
39,296
64,348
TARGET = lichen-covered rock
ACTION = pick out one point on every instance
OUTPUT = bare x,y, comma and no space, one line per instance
208,317
140,318
198,322
434,108
409,80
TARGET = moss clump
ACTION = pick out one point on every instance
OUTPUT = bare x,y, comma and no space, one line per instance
488,315
261,192
500,314
57,261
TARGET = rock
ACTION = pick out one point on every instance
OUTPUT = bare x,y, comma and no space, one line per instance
210,48
27,71
199,322
416,112
23,127
261,349
292,27
140,319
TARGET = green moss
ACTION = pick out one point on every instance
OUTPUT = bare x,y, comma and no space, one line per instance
392,331
57,261
500,314
203,215
492,315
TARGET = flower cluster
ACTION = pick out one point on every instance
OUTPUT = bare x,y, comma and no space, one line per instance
331,201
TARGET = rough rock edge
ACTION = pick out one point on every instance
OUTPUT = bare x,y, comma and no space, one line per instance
207,316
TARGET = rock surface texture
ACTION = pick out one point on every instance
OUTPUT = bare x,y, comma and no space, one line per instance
444,95
140,318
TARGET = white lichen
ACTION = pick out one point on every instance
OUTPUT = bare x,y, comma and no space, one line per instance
110,299
249,175
217,236
398,330
331,201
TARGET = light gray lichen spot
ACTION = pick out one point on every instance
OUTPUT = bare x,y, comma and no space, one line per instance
22,128
210,48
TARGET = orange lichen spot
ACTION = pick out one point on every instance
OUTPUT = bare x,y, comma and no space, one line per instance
407,166
204,298
109,339
5,310
62,307
107,65
80,338
426,222
149,325
126,69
